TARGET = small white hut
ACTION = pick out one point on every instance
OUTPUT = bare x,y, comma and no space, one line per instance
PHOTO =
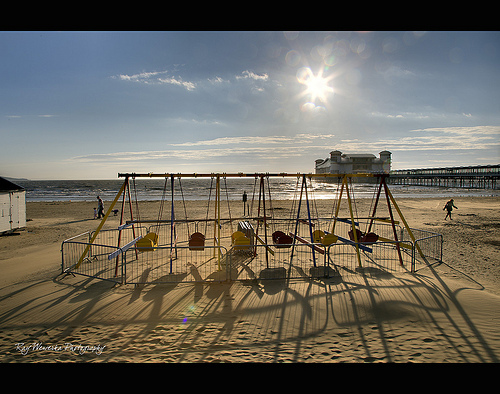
12,206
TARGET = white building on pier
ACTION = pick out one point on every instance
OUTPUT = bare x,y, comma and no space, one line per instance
343,163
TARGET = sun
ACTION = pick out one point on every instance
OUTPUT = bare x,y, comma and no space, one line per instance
317,87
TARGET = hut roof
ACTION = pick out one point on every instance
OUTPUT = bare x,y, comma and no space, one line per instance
7,186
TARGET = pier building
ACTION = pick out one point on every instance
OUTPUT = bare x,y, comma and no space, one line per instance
349,163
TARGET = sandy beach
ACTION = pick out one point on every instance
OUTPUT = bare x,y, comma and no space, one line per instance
448,312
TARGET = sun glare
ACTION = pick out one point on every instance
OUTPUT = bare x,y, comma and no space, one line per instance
317,87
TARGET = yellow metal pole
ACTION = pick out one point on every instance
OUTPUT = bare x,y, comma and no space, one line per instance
218,221
338,205
405,223
215,217
353,226
102,223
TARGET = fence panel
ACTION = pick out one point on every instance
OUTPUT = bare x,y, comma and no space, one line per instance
96,262
378,257
175,259
174,264
428,242
70,253
432,246
267,261
118,238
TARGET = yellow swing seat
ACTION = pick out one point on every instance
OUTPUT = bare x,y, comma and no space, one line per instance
324,238
318,236
240,241
148,242
329,239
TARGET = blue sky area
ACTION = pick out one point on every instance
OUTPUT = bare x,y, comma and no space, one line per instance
88,105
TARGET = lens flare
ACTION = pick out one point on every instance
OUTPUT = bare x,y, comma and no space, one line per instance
190,311
317,87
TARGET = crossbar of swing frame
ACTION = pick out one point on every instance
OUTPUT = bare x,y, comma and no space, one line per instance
248,175
345,219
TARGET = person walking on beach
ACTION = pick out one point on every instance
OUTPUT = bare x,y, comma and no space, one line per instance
244,202
100,208
449,207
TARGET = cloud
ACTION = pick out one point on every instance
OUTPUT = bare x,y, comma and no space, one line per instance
251,75
429,139
237,140
464,130
192,155
398,72
144,77
165,77
39,116
157,77
187,85
299,149
217,80
445,138
257,140
228,147
402,115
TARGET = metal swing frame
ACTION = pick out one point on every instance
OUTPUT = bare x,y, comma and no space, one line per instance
217,219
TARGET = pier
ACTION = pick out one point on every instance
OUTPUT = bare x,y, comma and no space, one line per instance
471,177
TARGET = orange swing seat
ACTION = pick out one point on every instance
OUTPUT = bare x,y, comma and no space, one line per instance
197,241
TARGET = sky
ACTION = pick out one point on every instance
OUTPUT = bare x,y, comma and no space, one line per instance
90,105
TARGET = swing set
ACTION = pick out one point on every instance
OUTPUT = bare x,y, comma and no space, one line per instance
264,242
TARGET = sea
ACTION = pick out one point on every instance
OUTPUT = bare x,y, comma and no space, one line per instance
286,188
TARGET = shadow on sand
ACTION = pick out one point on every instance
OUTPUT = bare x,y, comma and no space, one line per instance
191,321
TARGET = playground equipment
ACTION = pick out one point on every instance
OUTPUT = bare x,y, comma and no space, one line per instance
149,242
265,245
197,241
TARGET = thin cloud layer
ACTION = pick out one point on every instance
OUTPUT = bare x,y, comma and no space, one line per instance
167,77
236,149
157,77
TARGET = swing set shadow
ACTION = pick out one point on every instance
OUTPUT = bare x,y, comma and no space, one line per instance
264,246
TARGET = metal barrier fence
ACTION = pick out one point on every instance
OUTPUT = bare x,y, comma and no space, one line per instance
179,262
429,243
72,249
117,237
96,263
267,261
212,263
174,264
388,257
